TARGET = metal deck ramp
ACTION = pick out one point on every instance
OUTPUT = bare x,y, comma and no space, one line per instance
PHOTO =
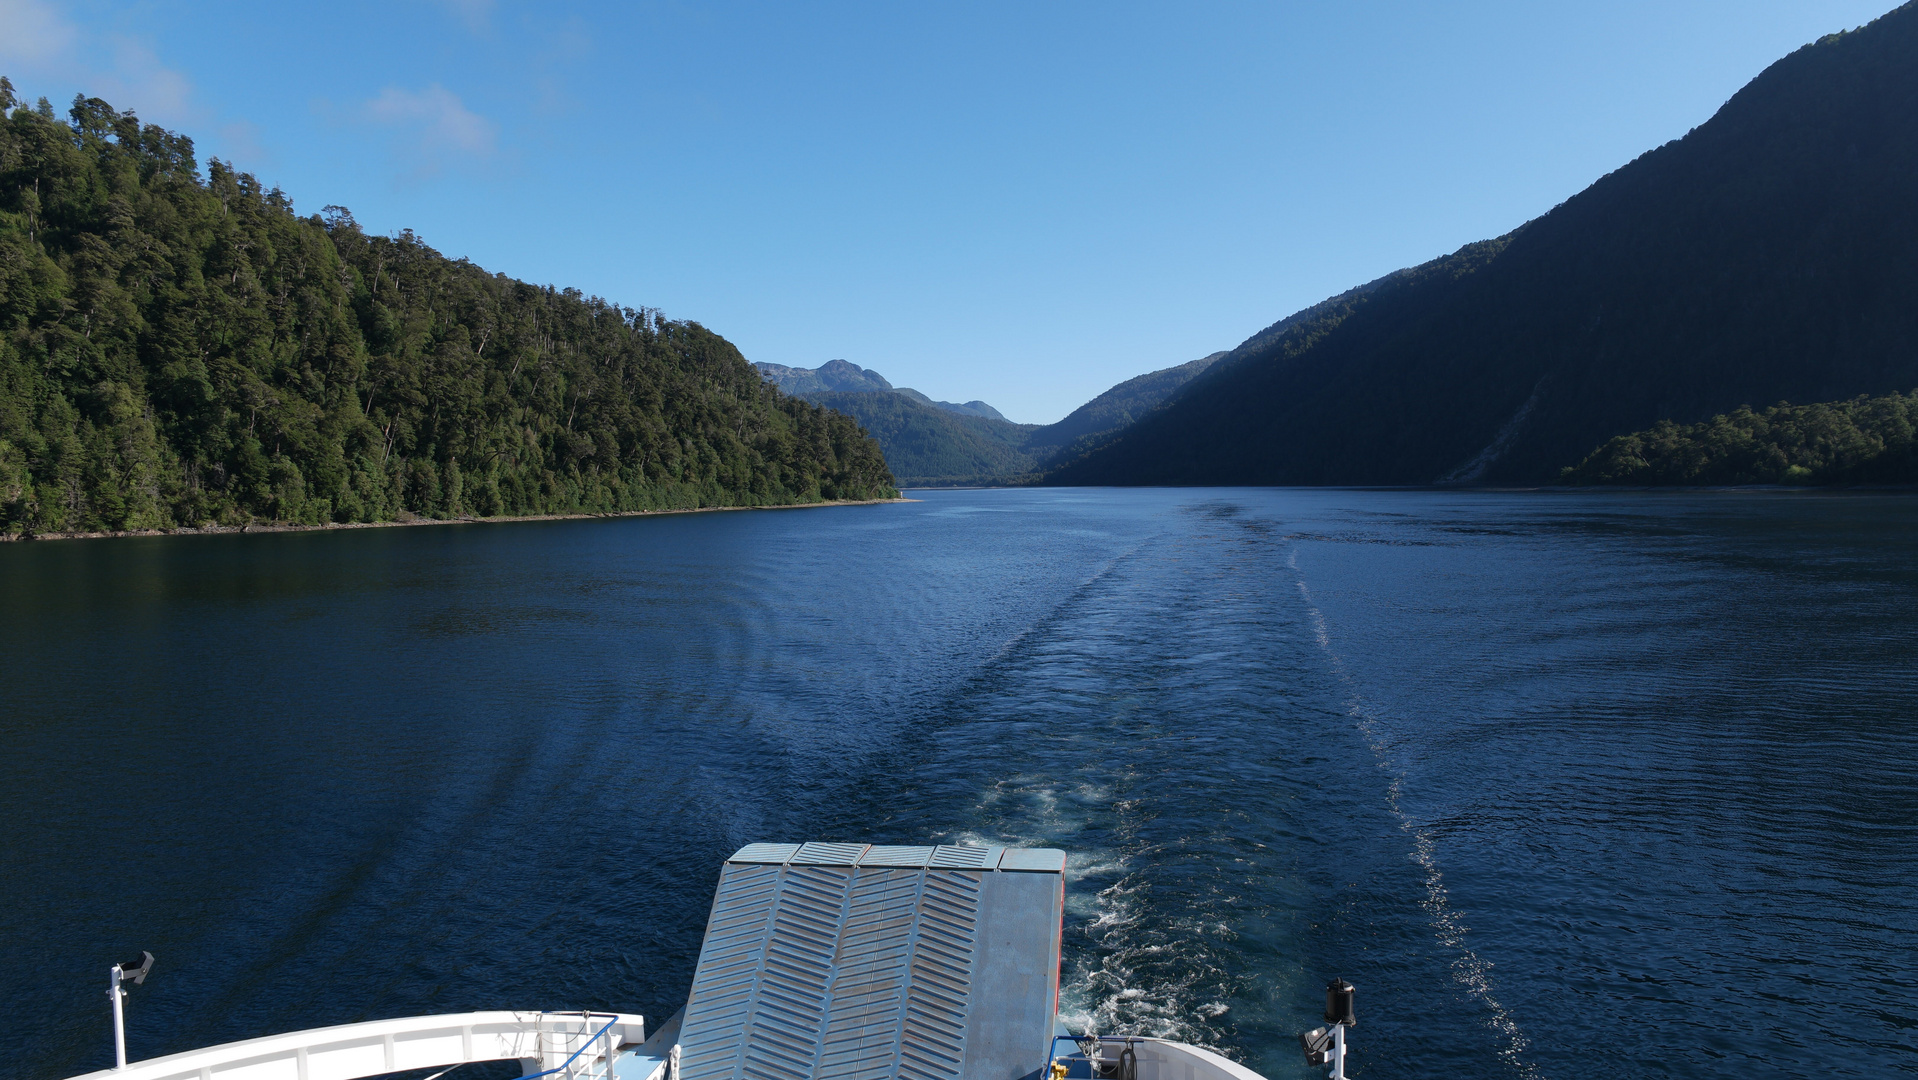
870,963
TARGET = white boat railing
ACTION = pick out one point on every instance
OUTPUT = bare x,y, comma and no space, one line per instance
1159,1059
553,1045
561,1046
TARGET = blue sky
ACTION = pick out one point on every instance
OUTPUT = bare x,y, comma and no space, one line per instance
1024,203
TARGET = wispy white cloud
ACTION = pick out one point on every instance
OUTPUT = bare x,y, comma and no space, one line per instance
37,41
568,45
243,142
476,14
433,126
137,78
32,32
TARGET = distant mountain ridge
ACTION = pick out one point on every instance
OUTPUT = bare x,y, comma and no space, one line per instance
937,443
1771,254
829,376
838,376
1124,403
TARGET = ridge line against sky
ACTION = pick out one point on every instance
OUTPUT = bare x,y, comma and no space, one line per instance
1019,205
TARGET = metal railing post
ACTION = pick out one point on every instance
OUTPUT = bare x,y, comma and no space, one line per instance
119,1019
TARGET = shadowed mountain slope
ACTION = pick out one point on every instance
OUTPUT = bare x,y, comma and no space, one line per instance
1770,254
1123,404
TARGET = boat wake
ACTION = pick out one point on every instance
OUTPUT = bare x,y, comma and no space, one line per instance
1132,727
1472,973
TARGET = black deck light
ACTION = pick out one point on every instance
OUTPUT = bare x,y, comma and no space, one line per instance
1326,1045
1338,1003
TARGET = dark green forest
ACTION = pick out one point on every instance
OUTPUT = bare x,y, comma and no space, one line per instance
178,349
930,447
1861,441
1769,255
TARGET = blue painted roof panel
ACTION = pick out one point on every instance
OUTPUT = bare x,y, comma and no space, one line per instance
817,854
765,853
968,857
1041,859
884,855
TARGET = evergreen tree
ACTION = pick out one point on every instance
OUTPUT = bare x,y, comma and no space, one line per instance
1862,441
179,348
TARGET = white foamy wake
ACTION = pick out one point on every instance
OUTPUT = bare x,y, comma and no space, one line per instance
1472,972
1139,977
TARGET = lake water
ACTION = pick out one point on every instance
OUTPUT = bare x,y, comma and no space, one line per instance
1569,785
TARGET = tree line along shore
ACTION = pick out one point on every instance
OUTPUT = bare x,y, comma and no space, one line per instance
180,349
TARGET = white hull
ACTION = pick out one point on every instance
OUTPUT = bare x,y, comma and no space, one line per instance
539,1040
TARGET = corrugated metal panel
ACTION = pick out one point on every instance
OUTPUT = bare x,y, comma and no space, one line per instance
933,1045
790,1009
815,971
727,978
875,954
765,853
884,855
829,854
965,857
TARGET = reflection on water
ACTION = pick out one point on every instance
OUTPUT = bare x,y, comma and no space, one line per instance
1567,784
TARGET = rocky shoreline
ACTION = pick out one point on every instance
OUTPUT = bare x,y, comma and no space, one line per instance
410,520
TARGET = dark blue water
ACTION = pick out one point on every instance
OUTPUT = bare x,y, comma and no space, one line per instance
1569,785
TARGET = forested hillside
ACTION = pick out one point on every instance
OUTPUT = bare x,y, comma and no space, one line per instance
1771,254
179,348
974,407
1862,441
927,446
